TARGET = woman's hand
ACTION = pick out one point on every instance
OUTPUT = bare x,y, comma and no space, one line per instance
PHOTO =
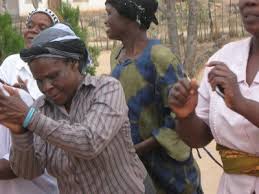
146,146
221,75
183,97
12,110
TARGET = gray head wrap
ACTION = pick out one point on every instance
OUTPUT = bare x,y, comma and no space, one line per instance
58,41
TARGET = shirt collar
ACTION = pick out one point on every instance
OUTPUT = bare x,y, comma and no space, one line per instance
89,80
242,59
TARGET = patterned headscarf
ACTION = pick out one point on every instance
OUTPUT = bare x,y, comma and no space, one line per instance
58,41
48,12
141,11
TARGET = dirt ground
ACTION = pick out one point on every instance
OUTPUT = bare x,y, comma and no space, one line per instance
210,171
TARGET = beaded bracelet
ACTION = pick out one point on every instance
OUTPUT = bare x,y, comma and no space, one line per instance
28,117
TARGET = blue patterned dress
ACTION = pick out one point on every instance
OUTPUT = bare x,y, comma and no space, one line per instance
146,81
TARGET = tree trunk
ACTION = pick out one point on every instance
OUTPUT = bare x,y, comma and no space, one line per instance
191,36
170,13
54,5
35,3
222,16
210,18
3,6
229,16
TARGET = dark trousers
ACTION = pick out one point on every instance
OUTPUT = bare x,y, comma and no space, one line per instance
149,186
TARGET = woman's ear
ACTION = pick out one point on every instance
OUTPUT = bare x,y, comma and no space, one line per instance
74,65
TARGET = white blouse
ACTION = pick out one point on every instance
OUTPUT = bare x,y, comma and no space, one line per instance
14,66
41,185
228,127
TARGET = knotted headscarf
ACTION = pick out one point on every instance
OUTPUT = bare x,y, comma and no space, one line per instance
58,41
141,11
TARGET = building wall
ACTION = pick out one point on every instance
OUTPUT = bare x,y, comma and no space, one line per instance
23,7
11,6
1,6
26,6
87,5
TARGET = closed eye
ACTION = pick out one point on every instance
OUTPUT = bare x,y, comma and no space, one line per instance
52,76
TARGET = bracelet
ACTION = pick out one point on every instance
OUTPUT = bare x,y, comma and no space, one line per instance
28,117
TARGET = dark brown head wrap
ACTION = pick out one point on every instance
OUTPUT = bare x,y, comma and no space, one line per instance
141,11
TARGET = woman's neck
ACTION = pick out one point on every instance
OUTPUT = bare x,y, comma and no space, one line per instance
80,79
134,43
254,45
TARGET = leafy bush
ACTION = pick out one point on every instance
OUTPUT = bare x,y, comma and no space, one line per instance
71,16
10,39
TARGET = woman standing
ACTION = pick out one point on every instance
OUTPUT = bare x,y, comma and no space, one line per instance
146,70
225,107
79,129
14,71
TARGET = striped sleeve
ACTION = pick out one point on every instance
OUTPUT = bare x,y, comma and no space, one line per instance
100,124
25,162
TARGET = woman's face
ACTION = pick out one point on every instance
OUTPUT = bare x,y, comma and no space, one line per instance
56,78
249,10
115,23
37,23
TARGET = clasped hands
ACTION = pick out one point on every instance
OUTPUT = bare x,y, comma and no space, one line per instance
13,109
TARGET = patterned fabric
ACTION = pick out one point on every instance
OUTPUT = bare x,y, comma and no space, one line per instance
89,150
145,82
141,11
48,12
238,162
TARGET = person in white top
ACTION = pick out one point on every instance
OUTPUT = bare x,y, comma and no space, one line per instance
10,184
226,107
15,72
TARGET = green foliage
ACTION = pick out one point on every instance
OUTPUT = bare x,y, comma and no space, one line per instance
94,53
71,16
10,40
